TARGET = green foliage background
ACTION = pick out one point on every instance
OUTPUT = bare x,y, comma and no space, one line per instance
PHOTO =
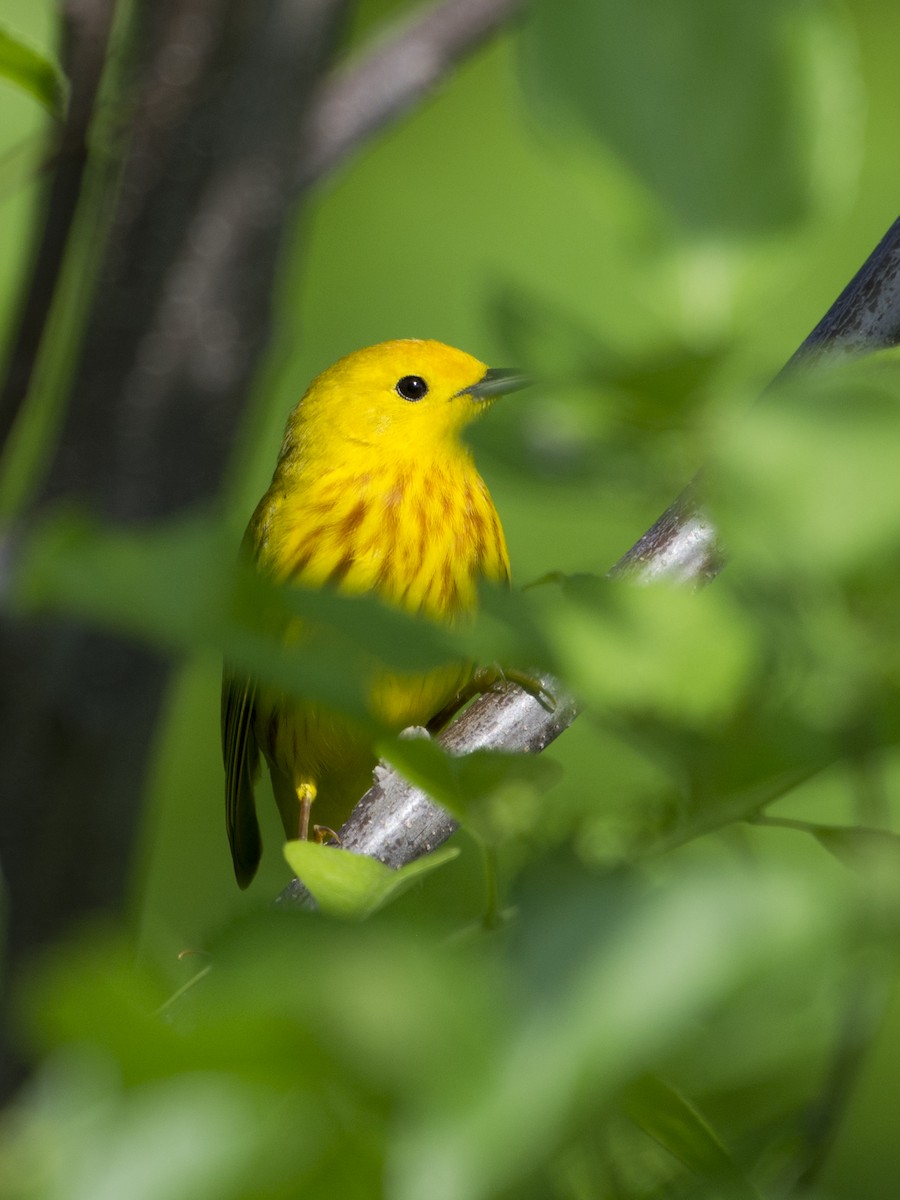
648,206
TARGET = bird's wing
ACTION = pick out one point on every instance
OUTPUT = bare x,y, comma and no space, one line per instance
241,754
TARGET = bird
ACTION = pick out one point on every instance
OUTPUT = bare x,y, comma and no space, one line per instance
373,491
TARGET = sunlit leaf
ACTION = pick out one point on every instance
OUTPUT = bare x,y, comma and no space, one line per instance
354,885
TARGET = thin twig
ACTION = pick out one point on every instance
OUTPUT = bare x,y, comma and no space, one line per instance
407,63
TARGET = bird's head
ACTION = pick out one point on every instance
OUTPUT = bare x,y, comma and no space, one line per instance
409,396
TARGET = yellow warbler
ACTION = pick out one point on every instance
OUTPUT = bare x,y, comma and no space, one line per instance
373,491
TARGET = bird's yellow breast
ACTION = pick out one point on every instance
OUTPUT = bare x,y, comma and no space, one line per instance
419,533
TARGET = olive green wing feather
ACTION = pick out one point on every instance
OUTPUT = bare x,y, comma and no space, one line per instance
241,754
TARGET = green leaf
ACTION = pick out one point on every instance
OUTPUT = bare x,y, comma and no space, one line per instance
33,73
673,1121
662,648
494,794
195,1134
859,847
720,110
180,585
166,583
816,460
625,975
354,885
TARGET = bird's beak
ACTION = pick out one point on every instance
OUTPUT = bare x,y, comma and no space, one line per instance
498,381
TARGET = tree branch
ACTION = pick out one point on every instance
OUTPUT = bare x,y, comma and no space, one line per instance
396,822
380,85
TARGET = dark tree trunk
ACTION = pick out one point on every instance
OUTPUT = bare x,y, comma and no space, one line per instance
213,96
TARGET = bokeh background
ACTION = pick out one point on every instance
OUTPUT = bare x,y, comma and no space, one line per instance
648,206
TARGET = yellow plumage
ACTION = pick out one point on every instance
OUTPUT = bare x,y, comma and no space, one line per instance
373,491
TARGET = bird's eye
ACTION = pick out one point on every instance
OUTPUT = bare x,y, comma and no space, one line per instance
412,387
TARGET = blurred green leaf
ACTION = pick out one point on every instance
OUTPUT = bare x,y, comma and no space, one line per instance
354,885
169,583
673,1121
859,847
594,407
181,586
33,73
492,794
807,474
395,1051
384,1008
719,110
660,648
89,991
203,1136
632,985
805,494
550,342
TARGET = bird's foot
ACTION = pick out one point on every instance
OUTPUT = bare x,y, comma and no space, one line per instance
306,793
